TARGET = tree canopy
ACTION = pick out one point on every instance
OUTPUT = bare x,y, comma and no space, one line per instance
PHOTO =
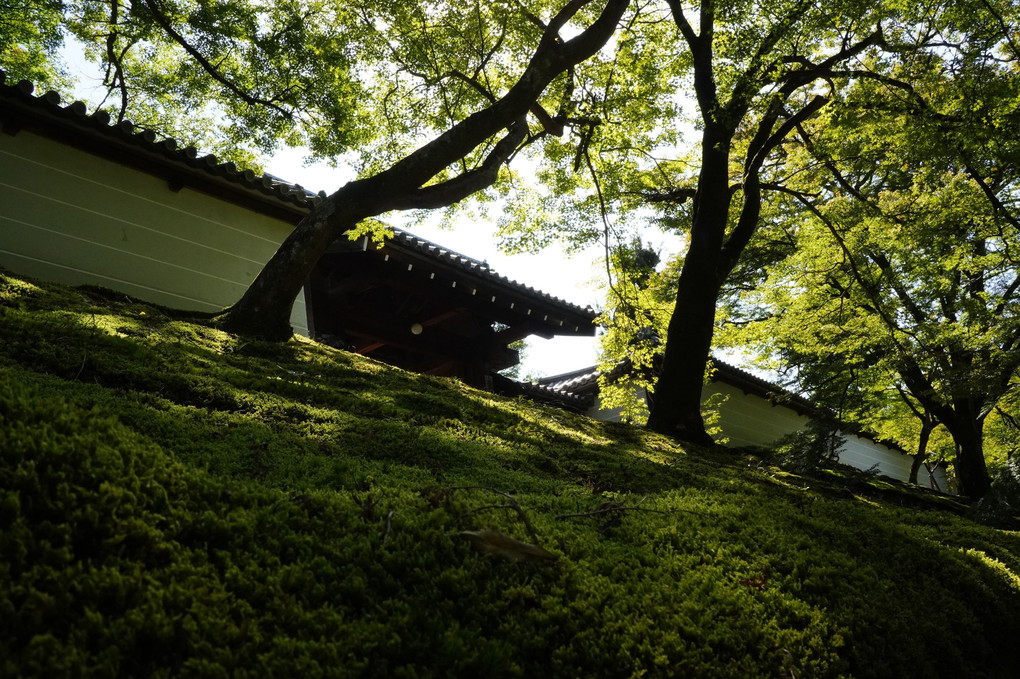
902,273
921,103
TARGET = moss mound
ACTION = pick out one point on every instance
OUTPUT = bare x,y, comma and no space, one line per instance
177,502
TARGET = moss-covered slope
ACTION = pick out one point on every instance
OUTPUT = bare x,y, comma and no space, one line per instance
175,501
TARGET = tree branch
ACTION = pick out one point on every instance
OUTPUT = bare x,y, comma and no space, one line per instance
551,57
678,195
209,68
764,141
1007,31
529,15
677,9
513,504
749,83
462,186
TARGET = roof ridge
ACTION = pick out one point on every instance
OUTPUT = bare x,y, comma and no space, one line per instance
168,147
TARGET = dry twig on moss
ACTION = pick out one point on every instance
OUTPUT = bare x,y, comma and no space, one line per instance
514,505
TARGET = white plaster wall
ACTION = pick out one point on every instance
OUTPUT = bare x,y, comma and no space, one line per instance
609,414
75,218
865,454
748,420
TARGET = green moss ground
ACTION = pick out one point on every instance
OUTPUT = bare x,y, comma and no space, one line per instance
175,501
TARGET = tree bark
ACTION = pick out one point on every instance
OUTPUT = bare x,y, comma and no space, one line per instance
927,426
676,409
964,418
966,427
264,310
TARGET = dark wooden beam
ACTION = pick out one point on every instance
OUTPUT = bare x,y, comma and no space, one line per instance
376,333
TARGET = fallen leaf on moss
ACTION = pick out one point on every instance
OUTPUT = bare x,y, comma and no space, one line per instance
494,542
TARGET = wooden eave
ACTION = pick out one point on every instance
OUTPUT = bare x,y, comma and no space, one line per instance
372,306
506,304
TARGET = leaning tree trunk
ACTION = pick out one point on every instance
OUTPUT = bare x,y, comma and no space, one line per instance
264,310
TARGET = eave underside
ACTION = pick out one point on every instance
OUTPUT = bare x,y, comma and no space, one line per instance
422,316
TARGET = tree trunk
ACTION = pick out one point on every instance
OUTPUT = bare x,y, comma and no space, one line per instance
676,410
971,470
927,426
963,417
264,310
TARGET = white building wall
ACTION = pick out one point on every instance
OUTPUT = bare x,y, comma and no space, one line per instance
749,420
865,454
75,218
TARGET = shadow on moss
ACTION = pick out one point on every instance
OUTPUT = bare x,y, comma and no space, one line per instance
176,502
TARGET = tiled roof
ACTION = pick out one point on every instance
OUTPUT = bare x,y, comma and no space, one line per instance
575,382
409,241
542,394
583,383
21,108
585,380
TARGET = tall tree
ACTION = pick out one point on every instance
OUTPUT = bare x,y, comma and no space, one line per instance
905,266
265,307
374,81
758,70
753,70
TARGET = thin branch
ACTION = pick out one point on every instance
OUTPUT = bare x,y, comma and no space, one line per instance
116,61
529,16
1007,31
749,80
678,195
514,505
606,227
782,188
389,527
209,68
